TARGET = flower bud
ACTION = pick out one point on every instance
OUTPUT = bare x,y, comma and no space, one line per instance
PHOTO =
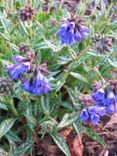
24,47
6,86
86,100
26,13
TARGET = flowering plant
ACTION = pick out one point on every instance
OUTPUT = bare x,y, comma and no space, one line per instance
51,52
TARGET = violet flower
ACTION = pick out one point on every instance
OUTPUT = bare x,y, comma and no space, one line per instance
19,59
93,114
84,115
37,85
15,71
72,31
98,95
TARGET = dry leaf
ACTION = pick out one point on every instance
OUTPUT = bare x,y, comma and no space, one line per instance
75,145
112,122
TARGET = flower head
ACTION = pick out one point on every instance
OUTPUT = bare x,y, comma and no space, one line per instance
84,115
95,118
37,85
86,100
15,71
97,110
24,47
93,114
72,31
110,108
99,95
110,98
26,13
19,59
6,86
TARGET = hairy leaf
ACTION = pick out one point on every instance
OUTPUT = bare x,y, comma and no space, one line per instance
6,125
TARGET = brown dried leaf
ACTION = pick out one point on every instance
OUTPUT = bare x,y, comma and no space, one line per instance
64,133
48,148
75,145
112,122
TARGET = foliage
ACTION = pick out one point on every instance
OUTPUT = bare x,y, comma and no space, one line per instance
71,72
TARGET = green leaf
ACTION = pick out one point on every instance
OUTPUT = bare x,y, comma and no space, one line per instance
61,143
45,104
6,24
41,45
23,148
31,120
79,76
12,136
3,152
112,63
3,106
5,126
90,132
23,27
78,125
67,120
55,48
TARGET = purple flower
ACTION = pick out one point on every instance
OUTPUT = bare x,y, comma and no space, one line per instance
66,32
97,110
110,102
116,97
15,71
92,114
62,29
99,95
110,98
95,118
110,108
72,32
37,85
84,115
18,58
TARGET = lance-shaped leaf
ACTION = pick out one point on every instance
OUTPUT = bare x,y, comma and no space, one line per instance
95,136
5,126
61,143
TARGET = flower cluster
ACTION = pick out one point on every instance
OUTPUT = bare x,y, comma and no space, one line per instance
72,30
21,66
105,100
24,48
37,83
26,13
104,45
92,113
6,86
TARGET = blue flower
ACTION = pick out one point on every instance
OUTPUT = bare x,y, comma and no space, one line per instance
97,110
92,114
84,115
99,96
18,58
15,71
110,98
72,32
95,118
66,32
37,85
110,108
110,102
